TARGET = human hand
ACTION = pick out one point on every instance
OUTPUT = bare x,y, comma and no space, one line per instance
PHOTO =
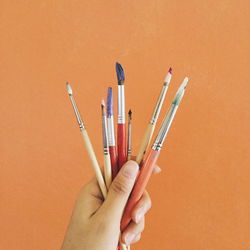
95,223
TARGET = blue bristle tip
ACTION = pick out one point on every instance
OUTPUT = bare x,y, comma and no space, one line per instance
120,73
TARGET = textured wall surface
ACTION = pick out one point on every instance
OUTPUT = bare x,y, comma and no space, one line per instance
201,198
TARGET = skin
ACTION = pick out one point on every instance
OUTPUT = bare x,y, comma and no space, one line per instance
95,223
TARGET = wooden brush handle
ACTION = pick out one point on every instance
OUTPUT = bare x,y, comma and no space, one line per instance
94,162
121,144
107,171
145,142
139,187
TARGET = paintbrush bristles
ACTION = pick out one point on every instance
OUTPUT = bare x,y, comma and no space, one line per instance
168,76
110,103
120,74
130,115
103,107
180,92
69,89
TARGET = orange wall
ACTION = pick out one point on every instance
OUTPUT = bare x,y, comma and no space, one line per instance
201,199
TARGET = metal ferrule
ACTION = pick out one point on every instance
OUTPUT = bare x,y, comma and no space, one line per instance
164,128
168,78
77,113
159,103
121,105
111,131
104,135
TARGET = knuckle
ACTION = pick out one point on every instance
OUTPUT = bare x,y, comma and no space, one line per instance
120,188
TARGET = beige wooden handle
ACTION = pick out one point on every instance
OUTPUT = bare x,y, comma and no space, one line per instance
145,142
94,162
107,171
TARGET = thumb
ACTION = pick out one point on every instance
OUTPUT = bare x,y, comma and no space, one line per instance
120,189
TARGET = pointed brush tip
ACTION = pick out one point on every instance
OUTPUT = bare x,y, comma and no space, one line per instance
103,103
170,70
69,89
130,114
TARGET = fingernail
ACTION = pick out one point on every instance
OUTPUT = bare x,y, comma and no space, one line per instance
158,170
139,214
129,238
130,169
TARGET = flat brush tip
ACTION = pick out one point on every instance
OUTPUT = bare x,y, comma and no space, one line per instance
185,81
120,73
69,89
110,102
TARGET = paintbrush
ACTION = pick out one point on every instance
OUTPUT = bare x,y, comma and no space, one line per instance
121,129
107,165
151,126
149,163
88,144
129,143
111,134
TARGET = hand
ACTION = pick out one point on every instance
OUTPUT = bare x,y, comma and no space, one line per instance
95,224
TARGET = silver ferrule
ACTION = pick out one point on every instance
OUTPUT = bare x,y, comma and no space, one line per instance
77,113
129,139
121,105
111,131
164,128
105,135
159,103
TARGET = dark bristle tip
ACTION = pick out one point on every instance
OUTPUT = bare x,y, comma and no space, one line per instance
170,70
130,114
120,73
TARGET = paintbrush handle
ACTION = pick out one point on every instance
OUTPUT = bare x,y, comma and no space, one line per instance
139,187
114,161
145,142
121,144
107,171
94,162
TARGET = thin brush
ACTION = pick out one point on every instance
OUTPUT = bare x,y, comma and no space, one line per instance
129,151
111,134
121,130
151,126
107,165
87,142
148,164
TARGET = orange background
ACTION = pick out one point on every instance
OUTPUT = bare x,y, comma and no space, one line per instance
201,200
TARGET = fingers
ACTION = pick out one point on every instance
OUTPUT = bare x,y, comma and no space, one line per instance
141,208
156,169
120,190
133,232
88,199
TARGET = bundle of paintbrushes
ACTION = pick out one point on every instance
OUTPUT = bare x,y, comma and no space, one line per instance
116,156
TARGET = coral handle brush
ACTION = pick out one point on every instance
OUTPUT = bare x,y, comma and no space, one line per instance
111,134
121,129
151,126
148,164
